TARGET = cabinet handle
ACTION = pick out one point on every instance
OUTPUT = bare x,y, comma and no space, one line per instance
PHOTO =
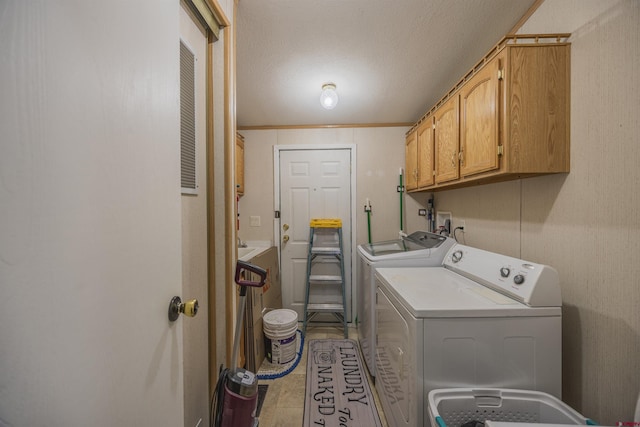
453,160
461,157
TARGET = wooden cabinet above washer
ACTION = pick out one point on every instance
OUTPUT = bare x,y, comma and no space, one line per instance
508,118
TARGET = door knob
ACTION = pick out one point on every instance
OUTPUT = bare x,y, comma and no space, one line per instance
285,238
176,306
285,227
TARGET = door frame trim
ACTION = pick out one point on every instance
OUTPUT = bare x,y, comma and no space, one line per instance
276,202
212,20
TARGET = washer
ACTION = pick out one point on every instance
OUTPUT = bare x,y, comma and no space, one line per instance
419,249
480,320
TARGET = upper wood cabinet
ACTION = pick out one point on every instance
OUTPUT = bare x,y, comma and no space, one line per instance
411,161
426,165
447,141
239,164
419,155
479,121
536,114
508,118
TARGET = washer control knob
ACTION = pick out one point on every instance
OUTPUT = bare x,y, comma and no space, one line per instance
505,272
518,279
456,256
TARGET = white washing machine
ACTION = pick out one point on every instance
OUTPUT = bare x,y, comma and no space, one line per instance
419,249
480,320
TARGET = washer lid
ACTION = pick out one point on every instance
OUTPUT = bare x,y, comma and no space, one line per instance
418,244
434,292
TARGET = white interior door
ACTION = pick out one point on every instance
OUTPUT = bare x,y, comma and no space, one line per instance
314,183
90,248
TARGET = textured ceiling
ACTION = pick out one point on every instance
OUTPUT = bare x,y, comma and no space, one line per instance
391,60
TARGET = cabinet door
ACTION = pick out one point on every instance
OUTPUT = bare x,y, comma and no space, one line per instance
479,121
425,153
446,141
240,164
411,161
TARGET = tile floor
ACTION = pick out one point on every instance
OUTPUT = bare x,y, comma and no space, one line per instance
284,403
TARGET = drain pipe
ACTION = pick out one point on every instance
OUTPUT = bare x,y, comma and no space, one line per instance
430,215
401,191
367,209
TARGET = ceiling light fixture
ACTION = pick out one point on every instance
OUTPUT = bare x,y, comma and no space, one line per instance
329,96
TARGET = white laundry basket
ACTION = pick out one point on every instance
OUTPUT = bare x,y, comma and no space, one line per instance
453,407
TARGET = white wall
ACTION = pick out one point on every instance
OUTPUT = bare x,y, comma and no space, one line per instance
585,223
380,155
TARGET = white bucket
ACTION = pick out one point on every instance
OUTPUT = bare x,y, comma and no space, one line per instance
280,328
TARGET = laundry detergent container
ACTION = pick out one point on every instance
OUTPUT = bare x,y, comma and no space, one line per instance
455,407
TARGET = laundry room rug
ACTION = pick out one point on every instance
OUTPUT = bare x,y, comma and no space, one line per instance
271,371
337,389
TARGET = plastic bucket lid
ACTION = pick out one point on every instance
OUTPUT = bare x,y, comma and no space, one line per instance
283,318
280,323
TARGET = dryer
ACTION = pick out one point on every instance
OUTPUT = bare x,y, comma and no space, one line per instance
420,248
480,320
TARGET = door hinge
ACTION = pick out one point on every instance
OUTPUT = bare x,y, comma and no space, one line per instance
500,150
500,74
277,214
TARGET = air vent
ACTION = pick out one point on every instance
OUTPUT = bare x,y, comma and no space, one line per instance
187,120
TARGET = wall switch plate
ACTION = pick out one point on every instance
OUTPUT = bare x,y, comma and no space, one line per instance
254,221
422,212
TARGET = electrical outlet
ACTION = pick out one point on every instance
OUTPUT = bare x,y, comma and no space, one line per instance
461,223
